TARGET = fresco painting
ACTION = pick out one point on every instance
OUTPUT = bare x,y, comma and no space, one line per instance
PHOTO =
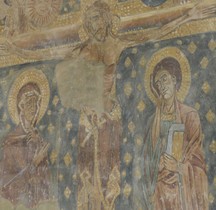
107,105
24,164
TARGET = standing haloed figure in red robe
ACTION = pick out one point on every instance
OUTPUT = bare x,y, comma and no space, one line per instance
178,179
25,177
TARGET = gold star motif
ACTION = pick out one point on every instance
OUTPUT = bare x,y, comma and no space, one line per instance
212,44
137,173
73,142
206,87
141,106
51,128
157,45
125,140
139,87
53,156
212,146
192,48
211,198
142,61
139,141
179,42
118,76
127,158
204,62
127,190
69,125
61,111
123,173
133,73
131,127
60,177
74,177
127,62
207,167
127,89
196,75
214,181
67,192
197,106
210,116
49,112
55,100
67,159
134,50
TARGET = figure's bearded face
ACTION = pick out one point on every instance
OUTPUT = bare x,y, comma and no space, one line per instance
30,105
165,84
97,26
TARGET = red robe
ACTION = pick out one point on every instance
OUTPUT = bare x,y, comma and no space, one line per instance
193,169
33,185
99,146
99,165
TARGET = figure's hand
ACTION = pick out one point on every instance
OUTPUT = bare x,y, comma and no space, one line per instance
163,174
91,115
170,163
202,11
199,11
105,116
173,178
86,110
167,176
40,155
32,136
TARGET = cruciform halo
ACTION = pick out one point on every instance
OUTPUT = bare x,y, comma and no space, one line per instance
177,54
29,75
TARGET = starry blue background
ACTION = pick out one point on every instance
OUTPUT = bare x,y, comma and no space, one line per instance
57,116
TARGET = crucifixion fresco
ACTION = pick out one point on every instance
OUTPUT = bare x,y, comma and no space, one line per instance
113,111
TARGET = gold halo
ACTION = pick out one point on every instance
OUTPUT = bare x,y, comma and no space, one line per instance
173,52
43,13
86,4
30,75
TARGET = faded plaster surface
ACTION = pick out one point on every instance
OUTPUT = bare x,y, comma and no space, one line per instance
80,84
